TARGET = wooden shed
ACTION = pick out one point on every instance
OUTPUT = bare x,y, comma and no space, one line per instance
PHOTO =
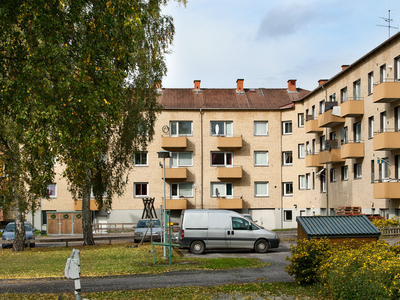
337,228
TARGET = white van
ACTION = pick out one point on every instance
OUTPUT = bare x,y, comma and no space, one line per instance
202,229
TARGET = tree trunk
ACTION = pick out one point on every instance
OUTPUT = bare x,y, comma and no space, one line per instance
19,239
86,215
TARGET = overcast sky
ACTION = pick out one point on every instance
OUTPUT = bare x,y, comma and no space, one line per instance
267,42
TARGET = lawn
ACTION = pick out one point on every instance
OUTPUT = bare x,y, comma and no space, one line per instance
106,260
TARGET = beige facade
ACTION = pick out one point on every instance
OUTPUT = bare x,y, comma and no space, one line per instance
273,153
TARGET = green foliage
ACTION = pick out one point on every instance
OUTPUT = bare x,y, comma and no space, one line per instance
371,271
306,258
392,222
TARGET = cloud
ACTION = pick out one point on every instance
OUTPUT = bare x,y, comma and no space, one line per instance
286,20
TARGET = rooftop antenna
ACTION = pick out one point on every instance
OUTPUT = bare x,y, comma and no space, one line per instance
388,20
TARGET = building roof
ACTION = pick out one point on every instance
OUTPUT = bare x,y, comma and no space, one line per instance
337,226
260,98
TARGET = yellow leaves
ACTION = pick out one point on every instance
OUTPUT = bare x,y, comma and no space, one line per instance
106,102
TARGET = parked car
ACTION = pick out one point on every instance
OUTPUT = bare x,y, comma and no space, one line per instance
143,225
9,234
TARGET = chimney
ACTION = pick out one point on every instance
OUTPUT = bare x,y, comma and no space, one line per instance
322,81
239,88
197,85
292,85
344,67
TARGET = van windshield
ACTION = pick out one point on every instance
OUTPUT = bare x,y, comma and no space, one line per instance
146,223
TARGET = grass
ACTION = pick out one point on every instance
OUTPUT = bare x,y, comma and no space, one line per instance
108,260
234,291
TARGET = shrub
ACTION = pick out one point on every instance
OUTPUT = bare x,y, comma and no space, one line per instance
392,222
370,272
306,258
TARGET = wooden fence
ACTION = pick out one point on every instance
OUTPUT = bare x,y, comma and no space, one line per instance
389,231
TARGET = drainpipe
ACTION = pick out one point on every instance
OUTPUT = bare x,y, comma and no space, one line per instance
201,158
328,211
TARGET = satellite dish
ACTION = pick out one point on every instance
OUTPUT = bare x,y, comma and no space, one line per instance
328,146
165,129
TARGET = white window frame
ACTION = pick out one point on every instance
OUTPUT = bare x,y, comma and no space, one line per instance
225,125
140,183
261,183
345,173
333,175
260,153
288,217
286,125
301,149
322,178
287,189
302,182
141,154
55,190
308,181
92,194
222,194
176,123
178,154
225,164
382,73
287,158
263,124
357,89
178,185
343,94
357,171
300,118
371,127
370,82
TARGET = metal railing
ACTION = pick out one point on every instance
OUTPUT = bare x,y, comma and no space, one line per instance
386,80
389,231
351,142
351,99
113,227
387,130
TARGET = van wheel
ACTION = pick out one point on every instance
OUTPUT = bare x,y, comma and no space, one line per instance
261,246
197,247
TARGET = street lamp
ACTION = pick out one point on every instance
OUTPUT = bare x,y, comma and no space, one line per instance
164,154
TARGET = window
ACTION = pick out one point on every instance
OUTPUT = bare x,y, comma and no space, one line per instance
302,182
222,128
141,189
370,83
313,112
287,158
333,175
313,180
261,128
397,167
370,127
357,171
181,159
357,89
181,128
343,94
314,147
345,173
397,118
141,159
287,127
221,159
357,132
308,181
332,97
383,169
288,215
300,118
222,189
397,68
92,196
261,189
52,188
301,150
181,190
240,224
288,189
322,180
383,121
332,135
321,107
345,137
261,158
322,142
382,73
372,171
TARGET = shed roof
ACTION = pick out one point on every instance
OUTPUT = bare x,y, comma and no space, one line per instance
337,226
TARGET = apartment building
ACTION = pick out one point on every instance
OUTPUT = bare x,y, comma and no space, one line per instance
273,153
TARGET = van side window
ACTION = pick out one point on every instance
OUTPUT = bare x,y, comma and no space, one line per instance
240,224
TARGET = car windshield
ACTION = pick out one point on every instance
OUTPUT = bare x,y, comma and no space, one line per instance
11,228
146,223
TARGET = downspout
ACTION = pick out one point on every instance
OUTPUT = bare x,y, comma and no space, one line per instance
281,135
326,165
201,158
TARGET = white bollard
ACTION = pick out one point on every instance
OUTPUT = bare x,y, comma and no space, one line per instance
73,271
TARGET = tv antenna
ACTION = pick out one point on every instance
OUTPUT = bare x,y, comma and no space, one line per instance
388,20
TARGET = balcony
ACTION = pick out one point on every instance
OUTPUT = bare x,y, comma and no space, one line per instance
174,173
353,107
174,142
352,149
78,205
386,92
389,189
327,119
232,173
229,141
330,156
312,160
388,140
312,125
223,203
176,204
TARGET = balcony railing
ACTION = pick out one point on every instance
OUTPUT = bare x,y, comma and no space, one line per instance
327,119
174,142
387,91
352,107
78,205
229,141
174,173
330,156
234,172
387,188
352,149
224,203
387,139
176,204
312,159
311,125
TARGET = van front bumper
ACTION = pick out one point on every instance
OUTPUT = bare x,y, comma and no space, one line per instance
274,243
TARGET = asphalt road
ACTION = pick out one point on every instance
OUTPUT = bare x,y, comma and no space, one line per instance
271,273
